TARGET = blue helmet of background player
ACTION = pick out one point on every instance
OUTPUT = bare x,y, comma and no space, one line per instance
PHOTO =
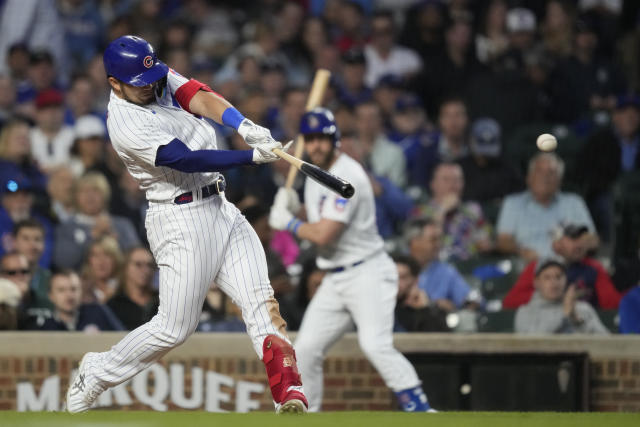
133,61
320,121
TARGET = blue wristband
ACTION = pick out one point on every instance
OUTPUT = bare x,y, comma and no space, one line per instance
232,117
293,225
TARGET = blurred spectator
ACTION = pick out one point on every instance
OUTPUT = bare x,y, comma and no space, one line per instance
18,58
15,156
258,217
310,280
83,29
424,28
288,25
591,280
136,302
130,202
351,25
80,98
487,176
31,310
177,34
91,222
17,206
60,192
88,151
527,220
34,23
466,232
215,33
439,280
351,87
41,76
70,314
607,154
101,271
294,100
584,81
386,94
521,28
630,312
557,28
29,241
382,157
492,40
220,314
414,312
412,132
100,84
9,300
7,99
448,73
553,310
51,139
315,38
384,56
453,122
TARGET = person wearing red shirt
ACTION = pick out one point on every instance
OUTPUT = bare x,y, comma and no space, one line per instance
592,281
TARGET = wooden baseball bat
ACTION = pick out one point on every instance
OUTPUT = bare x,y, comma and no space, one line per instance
318,87
321,176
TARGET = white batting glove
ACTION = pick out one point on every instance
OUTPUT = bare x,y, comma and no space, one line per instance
263,153
281,219
254,134
288,198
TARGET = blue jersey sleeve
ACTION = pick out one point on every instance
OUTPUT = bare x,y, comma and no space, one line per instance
176,155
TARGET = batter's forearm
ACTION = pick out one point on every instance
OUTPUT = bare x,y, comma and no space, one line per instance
209,104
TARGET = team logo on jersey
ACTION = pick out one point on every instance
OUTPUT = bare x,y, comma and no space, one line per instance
340,204
148,61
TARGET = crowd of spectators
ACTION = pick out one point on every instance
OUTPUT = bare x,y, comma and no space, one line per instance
439,100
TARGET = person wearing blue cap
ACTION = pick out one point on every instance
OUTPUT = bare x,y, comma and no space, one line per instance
487,176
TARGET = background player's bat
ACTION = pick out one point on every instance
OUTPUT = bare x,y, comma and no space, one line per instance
319,175
319,85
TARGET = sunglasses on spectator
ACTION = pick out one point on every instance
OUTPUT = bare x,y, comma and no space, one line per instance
16,272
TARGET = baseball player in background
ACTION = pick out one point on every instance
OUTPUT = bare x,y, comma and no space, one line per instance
361,281
156,125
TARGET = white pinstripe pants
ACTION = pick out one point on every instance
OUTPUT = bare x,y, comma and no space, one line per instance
364,295
194,244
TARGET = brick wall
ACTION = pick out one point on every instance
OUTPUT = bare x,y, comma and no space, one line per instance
615,384
351,383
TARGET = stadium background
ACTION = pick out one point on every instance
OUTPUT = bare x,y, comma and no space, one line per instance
261,56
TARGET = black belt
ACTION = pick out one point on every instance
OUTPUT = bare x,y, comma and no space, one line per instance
345,267
207,191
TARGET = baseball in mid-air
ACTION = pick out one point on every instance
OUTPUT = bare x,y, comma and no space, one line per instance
547,142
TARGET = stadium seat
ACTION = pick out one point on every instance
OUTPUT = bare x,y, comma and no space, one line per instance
610,319
499,321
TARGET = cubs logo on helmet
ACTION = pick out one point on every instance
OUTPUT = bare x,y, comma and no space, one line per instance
320,121
133,61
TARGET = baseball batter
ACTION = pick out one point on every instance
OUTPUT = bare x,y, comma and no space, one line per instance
361,282
156,125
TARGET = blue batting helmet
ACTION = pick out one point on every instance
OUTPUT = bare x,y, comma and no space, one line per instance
133,61
320,121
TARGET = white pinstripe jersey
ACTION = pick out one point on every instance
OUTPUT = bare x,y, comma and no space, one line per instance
136,132
359,239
